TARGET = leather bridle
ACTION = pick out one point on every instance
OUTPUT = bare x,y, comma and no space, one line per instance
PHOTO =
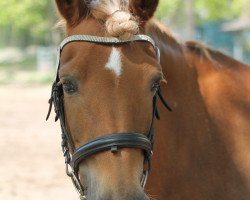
114,141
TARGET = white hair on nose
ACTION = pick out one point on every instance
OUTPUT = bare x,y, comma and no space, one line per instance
119,22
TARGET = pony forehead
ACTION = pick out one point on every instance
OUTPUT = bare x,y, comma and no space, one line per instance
107,41
114,62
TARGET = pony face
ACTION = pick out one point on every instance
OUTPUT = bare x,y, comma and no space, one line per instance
108,89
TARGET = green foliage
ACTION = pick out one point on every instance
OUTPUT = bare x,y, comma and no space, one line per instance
204,11
30,22
215,10
168,8
26,21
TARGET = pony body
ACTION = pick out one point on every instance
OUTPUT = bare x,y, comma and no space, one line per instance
201,149
205,152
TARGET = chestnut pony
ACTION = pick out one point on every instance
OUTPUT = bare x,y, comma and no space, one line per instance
105,96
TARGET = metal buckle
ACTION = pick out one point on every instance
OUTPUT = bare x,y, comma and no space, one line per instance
144,178
76,182
78,186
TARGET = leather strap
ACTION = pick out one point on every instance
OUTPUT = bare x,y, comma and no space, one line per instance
111,142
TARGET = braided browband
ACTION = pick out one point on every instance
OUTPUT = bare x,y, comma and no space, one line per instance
106,40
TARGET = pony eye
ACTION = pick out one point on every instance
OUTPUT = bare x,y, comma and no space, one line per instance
69,87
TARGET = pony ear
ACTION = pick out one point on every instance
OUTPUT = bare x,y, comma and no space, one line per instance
72,10
144,9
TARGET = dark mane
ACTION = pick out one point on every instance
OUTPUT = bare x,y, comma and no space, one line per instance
204,52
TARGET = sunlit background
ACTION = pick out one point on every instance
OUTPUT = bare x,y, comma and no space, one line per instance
31,160
28,36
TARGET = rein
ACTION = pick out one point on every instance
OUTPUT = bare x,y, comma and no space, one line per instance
112,142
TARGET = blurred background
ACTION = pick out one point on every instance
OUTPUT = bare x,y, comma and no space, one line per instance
28,36
31,160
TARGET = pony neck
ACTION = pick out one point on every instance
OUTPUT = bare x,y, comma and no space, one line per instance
188,141
181,78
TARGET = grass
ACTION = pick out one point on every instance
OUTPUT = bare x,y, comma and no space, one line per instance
28,64
24,72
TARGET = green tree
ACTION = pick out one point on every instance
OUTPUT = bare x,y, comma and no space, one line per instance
26,22
214,10
203,10
30,22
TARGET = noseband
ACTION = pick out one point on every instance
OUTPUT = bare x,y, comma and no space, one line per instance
112,142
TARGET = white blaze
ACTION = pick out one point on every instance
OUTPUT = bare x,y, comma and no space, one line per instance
114,63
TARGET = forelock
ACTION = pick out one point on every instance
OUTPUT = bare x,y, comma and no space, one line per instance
115,14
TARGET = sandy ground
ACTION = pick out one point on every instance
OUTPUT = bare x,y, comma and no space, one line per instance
32,166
